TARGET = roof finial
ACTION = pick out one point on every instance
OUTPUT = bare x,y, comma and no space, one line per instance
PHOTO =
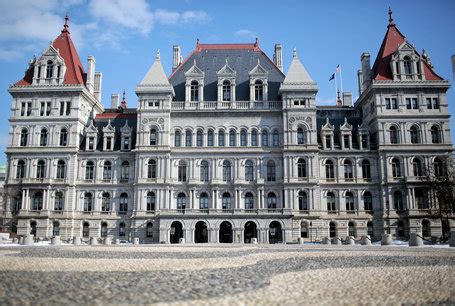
158,56
256,44
123,104
294,53
66,26
391,23
197,42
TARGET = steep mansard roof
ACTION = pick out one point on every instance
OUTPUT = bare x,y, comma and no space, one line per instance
242,58
75,73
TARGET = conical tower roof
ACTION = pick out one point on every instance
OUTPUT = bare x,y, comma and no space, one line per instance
297,77
155,80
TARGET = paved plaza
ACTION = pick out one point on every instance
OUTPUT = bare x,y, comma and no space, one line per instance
226,275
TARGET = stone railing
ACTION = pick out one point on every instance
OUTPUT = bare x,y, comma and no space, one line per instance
222,105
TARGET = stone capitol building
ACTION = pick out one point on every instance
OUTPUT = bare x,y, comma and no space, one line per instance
227,148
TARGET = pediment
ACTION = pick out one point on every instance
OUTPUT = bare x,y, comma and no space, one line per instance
194,71
226,70
346,126
327,126
91,129
108,128
126,129
258,70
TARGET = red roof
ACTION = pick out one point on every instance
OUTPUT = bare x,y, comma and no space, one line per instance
75,73
116,115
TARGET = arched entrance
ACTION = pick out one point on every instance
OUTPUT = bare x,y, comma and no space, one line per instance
201,233
370,229
400,229
176,232
332,229
33,228
426,229
351,229
250,231
275,234
225,232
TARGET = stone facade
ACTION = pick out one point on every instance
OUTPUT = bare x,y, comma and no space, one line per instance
226,149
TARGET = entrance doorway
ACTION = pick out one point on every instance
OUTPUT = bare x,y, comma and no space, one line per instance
225,232
201,233
250,231
275,234
33,228
176,232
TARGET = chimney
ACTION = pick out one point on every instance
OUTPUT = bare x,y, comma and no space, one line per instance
360,81
347,98
176,57
98,86
91,73
114,100
366,70
278,56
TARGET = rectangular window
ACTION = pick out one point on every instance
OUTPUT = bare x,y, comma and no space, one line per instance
388,105
415,105
435,103
394,103
48,108
126,143
68,108
346,141
328,142
408,103
429,105
29,108
91,141
108,143
62,108
42,108
23,106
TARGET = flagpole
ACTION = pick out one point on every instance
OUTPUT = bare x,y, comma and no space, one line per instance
336,88
341,80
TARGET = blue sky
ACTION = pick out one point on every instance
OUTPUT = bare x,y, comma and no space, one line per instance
124,36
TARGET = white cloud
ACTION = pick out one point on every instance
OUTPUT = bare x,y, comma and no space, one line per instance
246,34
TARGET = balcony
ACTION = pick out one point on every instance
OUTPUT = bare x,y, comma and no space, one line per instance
223,212
223,105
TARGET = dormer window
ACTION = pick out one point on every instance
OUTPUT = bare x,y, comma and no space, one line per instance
49,69
226,90
258,91
194,87
258,83
91,143
126,131
194,91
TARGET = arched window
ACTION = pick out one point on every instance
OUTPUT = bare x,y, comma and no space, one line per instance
304,229
20,171
370,229
123,202
204,171
243,138
407,65
271,201
58,201
249,171
226,201
43,137
89,169
258,91
249,201
37,201
438,167
181,201
275,138
106,202
188,138
271,171
367,201
426,228
63,137
332,230
435,134
55,228
121,230
366,169
125,171
151,200
88,201
232,140
227,91
300,136
331,205
107,170
400,229
194,91
204,201
398,200
41,169
396,168
199,137
348,170
104,229
394,137
414,131
49,69
221,138
24,137
265,138
210,137
351,229
349,201
182,171
86,230
61,169
329,170
151,169
417,167
227,171
303,200
154,137
301,168
149,230
177,139
254,138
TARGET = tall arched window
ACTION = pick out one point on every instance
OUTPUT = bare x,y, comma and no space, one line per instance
41,169
435,134
254,138
366,169
407,65
300,136
351,229
24,137
204,201
106,202
181,201
55,228
249,200
154,137
370,228
188,138
367,201
232,138
107,170
89,169
414,132
204,171
151,169
149,230
331,205
221,141
394,137
332,229
348,170
104,229
227,91
265,138
249,171
182,171
199,138
177,139
125,171
301,168
49,69
43,137
121,230
85,230
210,137
243,138
61,169
329,170
349,201
438,167
63,137
275,138
226,201
123,202
417,167
258,91
227,175
426,228
194,91
271,171
303,200
396,168
398,200
58,201
20,171
151,200
304,229
37,201
271,201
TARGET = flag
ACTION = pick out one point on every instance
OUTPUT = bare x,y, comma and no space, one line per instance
332,77
338,68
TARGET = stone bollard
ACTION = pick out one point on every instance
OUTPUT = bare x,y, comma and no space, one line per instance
386,239
136,241
28,240
55,240
107,241
301,241
366,240
21,240
77,240
15,240
415,239
93,240
182,240
452,239
336,241
326,240
349,240
254,241
117,241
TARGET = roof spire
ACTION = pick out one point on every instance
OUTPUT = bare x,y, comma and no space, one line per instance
66,26
391,22
123,104
294,53
158,56
256,44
